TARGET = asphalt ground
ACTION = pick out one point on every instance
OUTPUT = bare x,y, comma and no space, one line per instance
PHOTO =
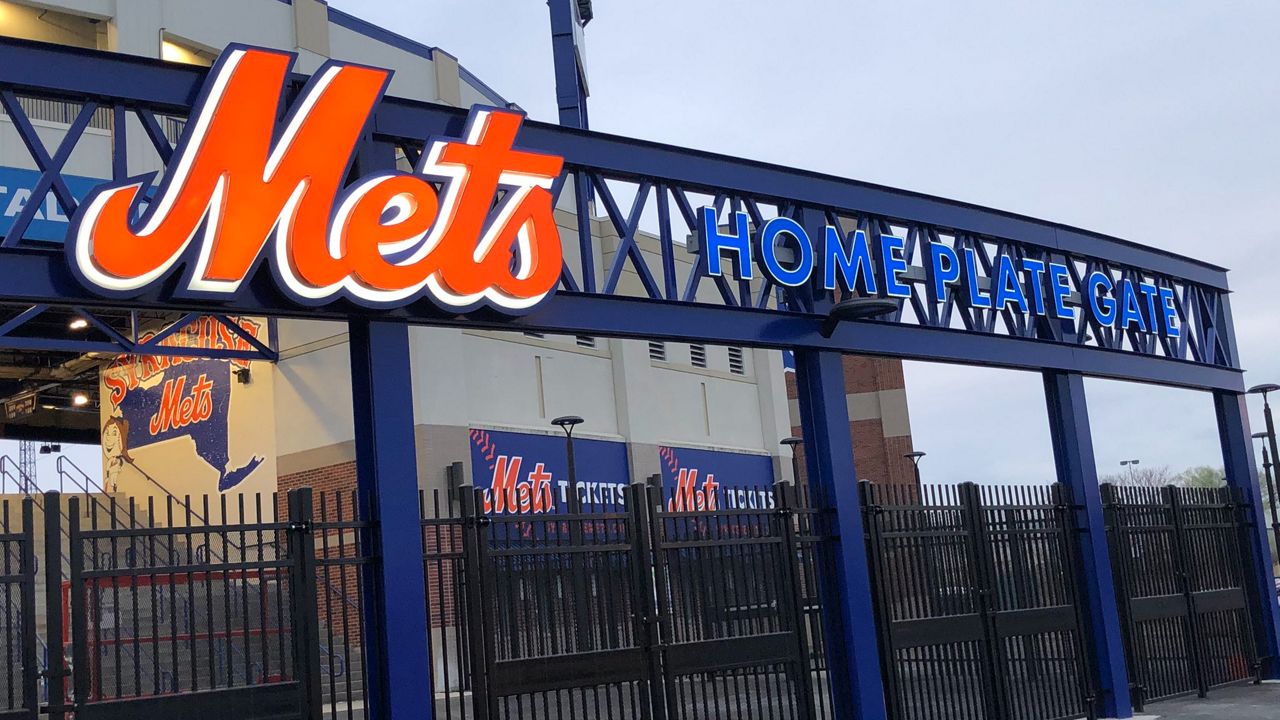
1237,702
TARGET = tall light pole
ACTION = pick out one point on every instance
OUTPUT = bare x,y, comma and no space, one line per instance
582,614
914,457
1132,465
794,444
1263,390
1271,486
1269,463
568,423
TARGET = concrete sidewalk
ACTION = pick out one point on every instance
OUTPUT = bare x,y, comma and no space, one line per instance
1241,702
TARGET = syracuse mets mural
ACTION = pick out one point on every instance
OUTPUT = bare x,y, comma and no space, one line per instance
149,400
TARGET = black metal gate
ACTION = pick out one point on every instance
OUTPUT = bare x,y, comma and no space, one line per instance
681,607
19,676
976,597
1179,558
178,610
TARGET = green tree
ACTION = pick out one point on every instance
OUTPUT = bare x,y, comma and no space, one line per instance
1142,476
1203,476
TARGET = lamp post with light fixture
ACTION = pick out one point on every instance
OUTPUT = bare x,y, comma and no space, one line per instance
1269,479
578,576
915,456
1133,468
793,443
1268,463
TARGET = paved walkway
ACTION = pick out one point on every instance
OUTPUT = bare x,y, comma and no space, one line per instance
1241,702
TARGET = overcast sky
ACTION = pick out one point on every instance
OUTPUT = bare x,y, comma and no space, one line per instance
1153,121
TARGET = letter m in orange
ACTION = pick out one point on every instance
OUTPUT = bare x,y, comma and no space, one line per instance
233,182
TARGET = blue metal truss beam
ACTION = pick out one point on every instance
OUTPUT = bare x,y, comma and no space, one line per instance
119,343
149,86
80,74
43,278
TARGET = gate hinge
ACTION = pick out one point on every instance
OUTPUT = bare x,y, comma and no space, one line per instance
300,526
784,512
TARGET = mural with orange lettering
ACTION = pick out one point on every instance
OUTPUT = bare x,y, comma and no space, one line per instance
167,423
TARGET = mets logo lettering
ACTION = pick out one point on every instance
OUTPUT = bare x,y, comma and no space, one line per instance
472,224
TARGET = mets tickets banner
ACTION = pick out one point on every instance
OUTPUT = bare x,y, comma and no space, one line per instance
185,424
524,473
713,480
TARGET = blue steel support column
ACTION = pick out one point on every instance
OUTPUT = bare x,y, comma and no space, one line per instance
1073,453
1237,452
853,658
397,651
571,91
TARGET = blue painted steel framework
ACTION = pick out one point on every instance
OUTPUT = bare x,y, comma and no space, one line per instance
669,183
134,340
1077,470
571,87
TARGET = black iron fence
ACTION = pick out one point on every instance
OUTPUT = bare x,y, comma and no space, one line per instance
155,627
645,608
976,593
651,606
1179,558
19,677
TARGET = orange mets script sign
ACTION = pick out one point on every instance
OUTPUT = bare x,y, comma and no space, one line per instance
473,224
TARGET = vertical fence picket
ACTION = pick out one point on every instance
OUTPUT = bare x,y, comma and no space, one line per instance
302,589
473,539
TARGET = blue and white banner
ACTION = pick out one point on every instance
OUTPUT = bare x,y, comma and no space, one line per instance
50,222
524,473
696,480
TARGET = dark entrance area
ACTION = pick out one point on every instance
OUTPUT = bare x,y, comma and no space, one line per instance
1178,556
977,598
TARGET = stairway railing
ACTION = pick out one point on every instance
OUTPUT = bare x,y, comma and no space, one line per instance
69,470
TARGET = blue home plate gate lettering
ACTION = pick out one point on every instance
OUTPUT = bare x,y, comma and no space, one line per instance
1027,285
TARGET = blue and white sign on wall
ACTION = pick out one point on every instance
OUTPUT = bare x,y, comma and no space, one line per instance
522,473
696,480
50,222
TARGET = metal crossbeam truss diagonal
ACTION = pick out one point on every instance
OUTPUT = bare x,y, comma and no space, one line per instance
634,270
31,329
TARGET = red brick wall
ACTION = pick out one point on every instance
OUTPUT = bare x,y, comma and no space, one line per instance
877,458
443,544
328,479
